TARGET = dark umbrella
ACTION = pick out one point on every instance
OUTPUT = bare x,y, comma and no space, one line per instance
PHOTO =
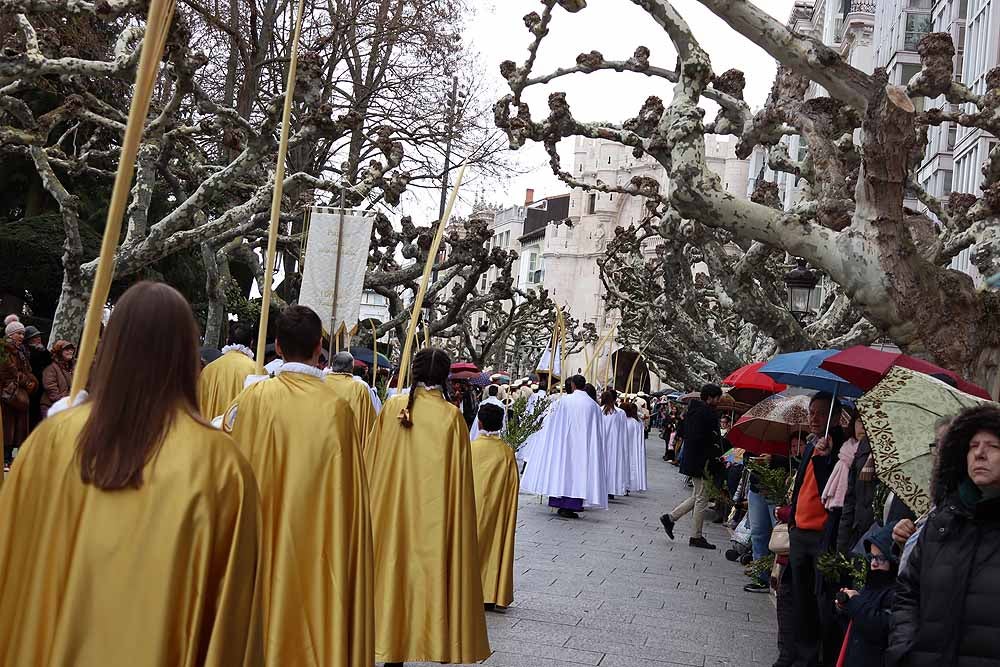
865,367
365,354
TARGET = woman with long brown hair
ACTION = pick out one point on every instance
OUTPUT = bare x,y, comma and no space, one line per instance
428,588
130,525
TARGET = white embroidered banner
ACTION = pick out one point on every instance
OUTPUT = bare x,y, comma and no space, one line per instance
319,279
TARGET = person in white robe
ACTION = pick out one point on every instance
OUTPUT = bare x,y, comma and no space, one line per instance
568,462
616,447
636,436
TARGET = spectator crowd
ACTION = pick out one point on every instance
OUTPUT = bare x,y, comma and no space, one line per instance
860,580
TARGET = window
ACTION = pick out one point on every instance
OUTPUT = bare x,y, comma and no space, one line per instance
917,25
952,136
609,159
909,71
591,202
920,4
946,182
532,262
482,283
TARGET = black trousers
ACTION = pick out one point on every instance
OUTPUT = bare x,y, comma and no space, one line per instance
786,620
818,635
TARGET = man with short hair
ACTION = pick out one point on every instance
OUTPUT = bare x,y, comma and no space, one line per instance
817,634
567,462
701,440
222,380
356,394
316,560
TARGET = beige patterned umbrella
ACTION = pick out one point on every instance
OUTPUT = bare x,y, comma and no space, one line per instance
899,415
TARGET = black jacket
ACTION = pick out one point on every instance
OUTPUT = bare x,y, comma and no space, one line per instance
947,608
822,467
701,438
858,513
870,612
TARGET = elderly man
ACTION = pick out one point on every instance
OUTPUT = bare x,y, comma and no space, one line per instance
356,394
817,635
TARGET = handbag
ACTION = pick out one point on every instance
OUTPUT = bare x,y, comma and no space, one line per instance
779,543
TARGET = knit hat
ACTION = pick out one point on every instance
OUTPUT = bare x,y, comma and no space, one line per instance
13,328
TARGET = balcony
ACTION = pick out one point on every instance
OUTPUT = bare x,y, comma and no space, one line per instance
862,7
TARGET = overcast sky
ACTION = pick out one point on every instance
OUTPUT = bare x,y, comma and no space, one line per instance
615,28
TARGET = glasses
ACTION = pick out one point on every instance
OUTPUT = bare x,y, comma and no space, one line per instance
878,559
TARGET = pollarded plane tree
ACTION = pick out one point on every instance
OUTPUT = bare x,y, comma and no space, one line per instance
889,263
367,95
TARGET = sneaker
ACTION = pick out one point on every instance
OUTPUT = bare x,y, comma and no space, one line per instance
757,587
732,555
701,543
668,525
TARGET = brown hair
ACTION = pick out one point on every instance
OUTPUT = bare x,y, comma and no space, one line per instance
608,400
430,366
146,371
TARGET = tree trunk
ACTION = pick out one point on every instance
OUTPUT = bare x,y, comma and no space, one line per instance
216,292
67,323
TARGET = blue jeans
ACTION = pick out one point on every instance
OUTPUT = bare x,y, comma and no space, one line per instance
761,523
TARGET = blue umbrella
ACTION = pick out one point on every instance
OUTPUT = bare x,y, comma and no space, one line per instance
801,369
365,354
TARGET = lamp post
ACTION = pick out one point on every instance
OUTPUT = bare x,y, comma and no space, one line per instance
800,281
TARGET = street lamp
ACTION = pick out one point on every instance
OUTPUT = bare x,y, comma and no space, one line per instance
801,282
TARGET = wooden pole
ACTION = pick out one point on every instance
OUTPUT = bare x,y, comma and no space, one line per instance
552,350
374,353
279,184
418,302
158,21
336,275
562,344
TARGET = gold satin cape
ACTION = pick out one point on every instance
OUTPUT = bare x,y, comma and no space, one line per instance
497,484
428,591
160,576
360,401
221,381
316,559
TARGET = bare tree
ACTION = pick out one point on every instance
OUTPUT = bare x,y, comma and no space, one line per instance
366,96
890,263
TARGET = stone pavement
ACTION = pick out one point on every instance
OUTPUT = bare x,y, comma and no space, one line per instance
610,589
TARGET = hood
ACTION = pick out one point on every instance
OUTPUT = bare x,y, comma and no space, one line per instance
882,538
951,468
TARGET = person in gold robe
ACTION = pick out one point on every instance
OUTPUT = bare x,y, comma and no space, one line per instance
357,395
316,562
497,484
222,380
428,589
130,531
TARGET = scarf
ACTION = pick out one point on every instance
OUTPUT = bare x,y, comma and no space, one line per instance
836,486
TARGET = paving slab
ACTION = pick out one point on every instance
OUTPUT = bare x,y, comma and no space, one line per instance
611,590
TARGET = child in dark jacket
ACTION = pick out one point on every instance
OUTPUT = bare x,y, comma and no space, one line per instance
870,610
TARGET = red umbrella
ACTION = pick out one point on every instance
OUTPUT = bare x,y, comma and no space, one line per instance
768,426
749,385
865,367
